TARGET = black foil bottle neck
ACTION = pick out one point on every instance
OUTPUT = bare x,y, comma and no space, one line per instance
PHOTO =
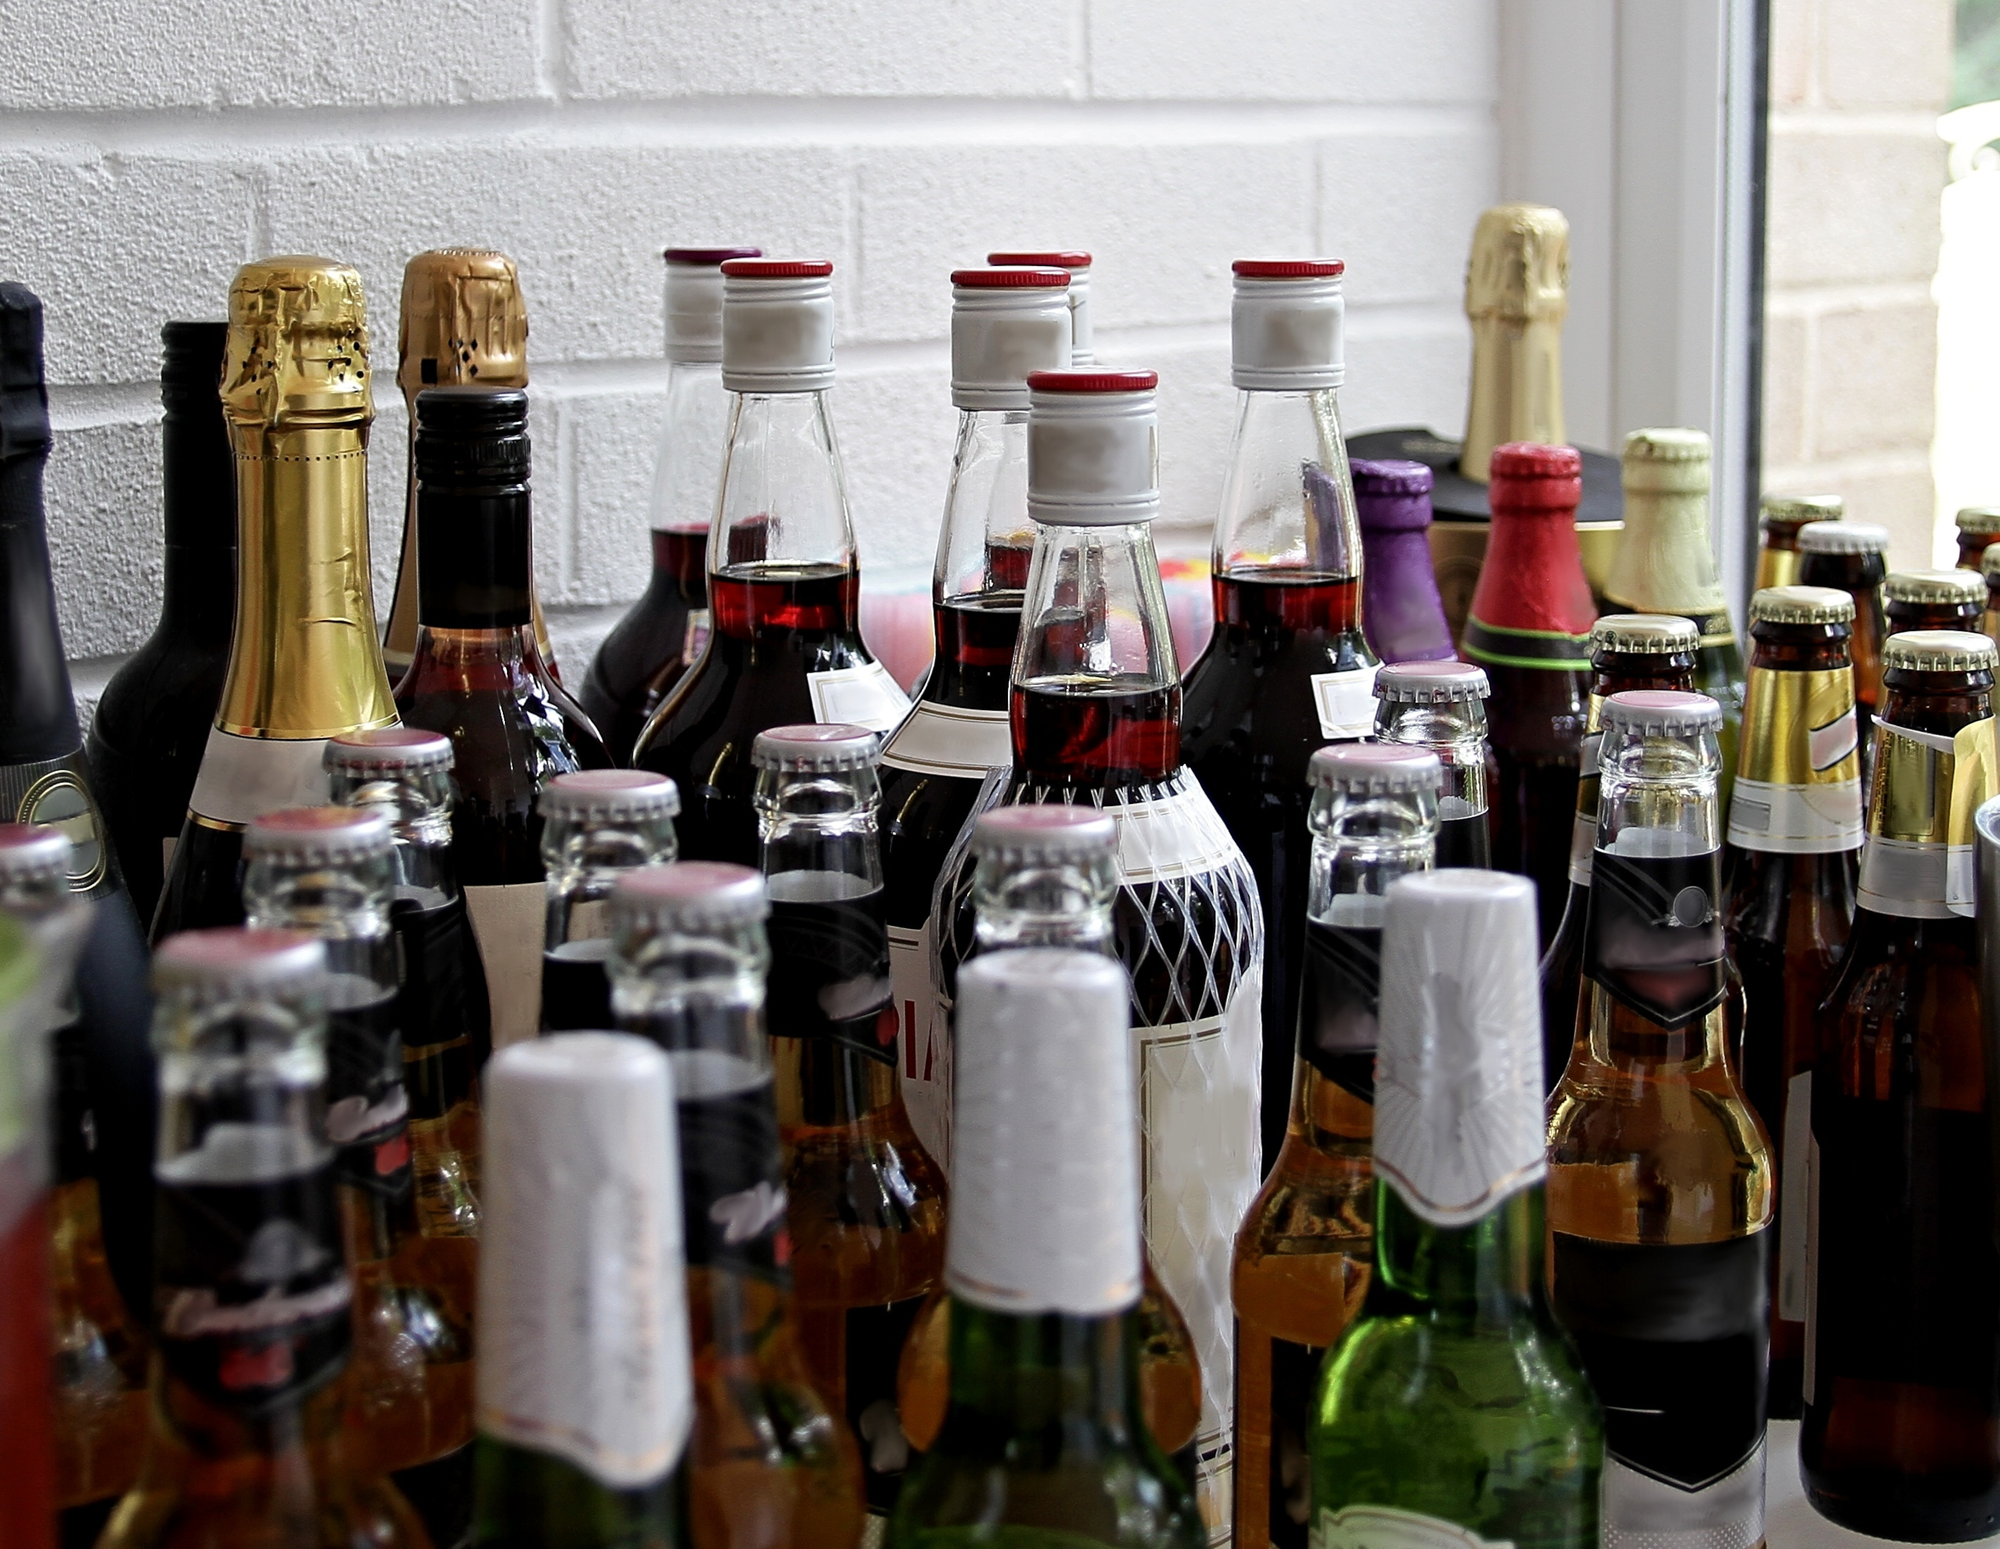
199,492
475,545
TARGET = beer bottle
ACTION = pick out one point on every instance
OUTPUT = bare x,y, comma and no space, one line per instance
1849,555
1660,1178
1933,599
1529,627
1901,1434
27,1445
597,824
1627,651
1453,1410
769,1466
583,1422
1441,705
1978,530
1076,264
253,1298
1304,1249
1402,615
1044,1440
1989,569
1779,521
1794,830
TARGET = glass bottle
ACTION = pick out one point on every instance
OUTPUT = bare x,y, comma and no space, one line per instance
1627,651
1044,1440
1516,298
1075,263
1661,1182
1779,521
1305,1248
1989,569
1453,1410
784,582
1529,627
1978,530
1004,324
1441,705
1401,612
867,1201
152,721
27,1441
476,679
255,1322
665,631
769,1466
584,1424
1850,556
1901,1434
330,872
1933,599
1287,668
597,824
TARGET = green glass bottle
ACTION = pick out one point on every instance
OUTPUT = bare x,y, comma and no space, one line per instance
1454,1412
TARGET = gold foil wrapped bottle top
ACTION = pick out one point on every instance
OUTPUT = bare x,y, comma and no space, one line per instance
297,354
1665,564
464,322
1516,295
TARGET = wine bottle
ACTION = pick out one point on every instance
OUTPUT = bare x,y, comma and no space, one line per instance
1933,599
769,1466
1660,1183
1305,1248
1780,519
1441,705
1453,1410
784,584
255,1320
1529,627
1901,1414
1075,263
1402,615
27,1399
666,630
303,659
476,678
597,824
1044,1440
1004,324
1287,668
1850,556
331,872
152,721
1794,830
1978,530
584,1423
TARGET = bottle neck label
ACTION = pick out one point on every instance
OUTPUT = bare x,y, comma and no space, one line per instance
509,920
1346,702
949,741
1917,861
1543,649
1654,941
367,1112
1798,780
858,696
245,777
1389,1527
732,1175
829,975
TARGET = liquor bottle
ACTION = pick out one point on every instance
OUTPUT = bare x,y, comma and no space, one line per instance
1304,1250
152,721
1044,1438
27,1400
1666,565
783,581
769,1466
1529,627
254,1314
1076,264
1780,519
1901,1413
1794,830
1441,705
1933,599
331,872
1660,1181
597,824
867,1202
1627,651
665,631
303,661
1004,324
1849,555
476,679
583,1424
1287,668
1978,530
1401,612
1453,1410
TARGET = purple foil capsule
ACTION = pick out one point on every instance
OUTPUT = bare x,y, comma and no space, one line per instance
1401,613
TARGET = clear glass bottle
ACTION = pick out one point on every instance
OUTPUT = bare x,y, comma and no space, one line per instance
1442,706
1933,599
1779,521
1306,1246
1852,556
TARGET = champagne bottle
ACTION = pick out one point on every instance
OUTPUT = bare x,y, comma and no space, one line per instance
583,1424
1453,1410
1849,555
1780,519
303,661
1075,263
1401,612
152,722
1901,1414
1044,1442
1305,1248
1933,599
27,1445
1660,1178
666,630
1978,530
1441,705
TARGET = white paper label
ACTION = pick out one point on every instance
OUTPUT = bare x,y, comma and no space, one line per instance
945,740
1793,1200
858,696
510,922
1346,703
1907,877
1795,819
926,1053
1388,1527
245,777
1641,1512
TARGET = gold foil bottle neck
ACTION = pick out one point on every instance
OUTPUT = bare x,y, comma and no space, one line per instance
297,354
1516,295
1519,269
1665,564
464,322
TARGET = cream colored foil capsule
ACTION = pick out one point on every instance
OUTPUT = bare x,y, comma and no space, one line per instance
1516,295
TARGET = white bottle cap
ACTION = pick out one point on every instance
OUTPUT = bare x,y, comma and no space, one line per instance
777,325
582,1286
1458,1062
1286,324
1093,447
1006,323
694,299
1077,262
1045,1137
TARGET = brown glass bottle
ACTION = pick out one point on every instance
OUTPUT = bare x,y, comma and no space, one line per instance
1989,570
1851,556
1978,530
1779,519
1933,599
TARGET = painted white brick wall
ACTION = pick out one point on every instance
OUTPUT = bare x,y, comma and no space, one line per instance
148,147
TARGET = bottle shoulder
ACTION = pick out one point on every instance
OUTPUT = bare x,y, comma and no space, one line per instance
1417,1371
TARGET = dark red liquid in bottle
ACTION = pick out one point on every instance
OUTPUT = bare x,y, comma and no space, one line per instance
1096,737
653,646
808,597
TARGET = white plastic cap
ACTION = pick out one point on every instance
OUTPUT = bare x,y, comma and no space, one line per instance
1006,323
777,325
694,300
1081,350
1287,324
1093,447
1045,1137
582,1285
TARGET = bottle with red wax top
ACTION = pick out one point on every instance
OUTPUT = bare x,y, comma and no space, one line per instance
1401,612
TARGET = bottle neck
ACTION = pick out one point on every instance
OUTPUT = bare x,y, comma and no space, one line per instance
1664,561
988,539
200,510
1485,1276
1532,606
1018,1381
1288,498
475,558
1516,388
783,503
683,498
680,563
37,714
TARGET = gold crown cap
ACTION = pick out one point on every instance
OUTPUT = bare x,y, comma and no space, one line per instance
1800,509
1939,650
1672,459
464,322
1979,519
1519,268
1934,586
1989,562
1801,605
297,354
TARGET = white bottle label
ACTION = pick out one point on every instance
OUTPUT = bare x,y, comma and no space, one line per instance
1795,819
946,740
510,922
1346,703
858,696
1641,1512
925,1053
245,777
1387,1527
